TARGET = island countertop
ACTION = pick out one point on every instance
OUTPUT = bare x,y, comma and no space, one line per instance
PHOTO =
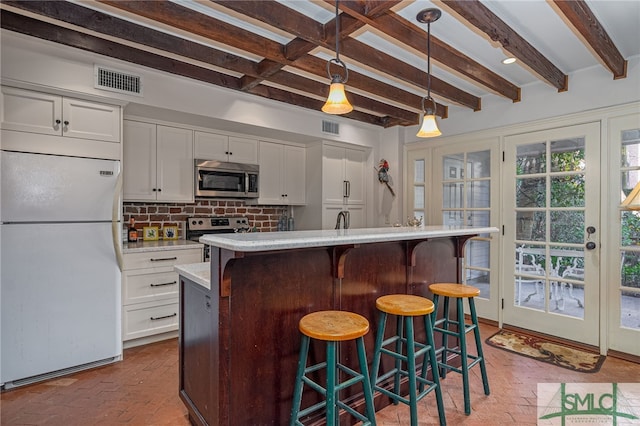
263,241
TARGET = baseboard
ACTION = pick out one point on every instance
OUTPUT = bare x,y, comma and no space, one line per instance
149,339
624,356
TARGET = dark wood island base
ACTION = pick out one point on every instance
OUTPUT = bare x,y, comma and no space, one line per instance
239,340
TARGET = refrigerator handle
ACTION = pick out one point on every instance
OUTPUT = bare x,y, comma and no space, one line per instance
115,228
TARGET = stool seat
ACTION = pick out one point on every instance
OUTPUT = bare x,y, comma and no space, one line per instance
454,290
334,326
404,305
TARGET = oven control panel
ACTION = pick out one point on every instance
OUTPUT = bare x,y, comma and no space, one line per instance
217,223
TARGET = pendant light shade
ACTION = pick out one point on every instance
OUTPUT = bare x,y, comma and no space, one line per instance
429,127
337,102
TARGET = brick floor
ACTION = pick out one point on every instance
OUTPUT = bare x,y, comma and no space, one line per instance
143,390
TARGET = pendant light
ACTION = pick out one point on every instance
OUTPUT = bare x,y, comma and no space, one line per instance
337,102
429,127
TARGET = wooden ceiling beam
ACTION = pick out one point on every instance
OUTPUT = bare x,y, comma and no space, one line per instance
585,22
416,37
497,30
350,47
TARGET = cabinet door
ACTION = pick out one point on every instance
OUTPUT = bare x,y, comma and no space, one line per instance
333,181
354,174
271,164
34,112
356,217
243,150
90,120
139,161
210,146
294,179
175,164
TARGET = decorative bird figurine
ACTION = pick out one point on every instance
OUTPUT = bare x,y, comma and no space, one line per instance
383,174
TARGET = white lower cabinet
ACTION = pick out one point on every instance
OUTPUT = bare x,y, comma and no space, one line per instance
150,292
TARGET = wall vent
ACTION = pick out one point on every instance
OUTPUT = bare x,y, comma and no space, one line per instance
117,81
330,127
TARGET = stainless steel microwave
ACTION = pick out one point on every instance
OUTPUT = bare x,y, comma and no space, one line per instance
221,179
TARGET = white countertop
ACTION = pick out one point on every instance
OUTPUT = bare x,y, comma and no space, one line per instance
262,241
197,272
143,246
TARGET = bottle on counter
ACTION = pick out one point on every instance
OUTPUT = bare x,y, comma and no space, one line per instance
290,224
132,234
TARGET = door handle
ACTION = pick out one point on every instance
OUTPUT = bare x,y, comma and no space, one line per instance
590,245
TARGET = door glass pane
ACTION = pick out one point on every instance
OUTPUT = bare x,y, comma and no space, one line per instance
530,276
478,165
478,218
630,148
452,195
567,155
477,253
478,194
531,159
567,191
452,218
531,226
567,226
453,167
567,286
418,171
418,197
531,192
630,228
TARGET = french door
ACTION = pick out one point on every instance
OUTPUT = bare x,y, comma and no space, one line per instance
551,205
462,188
623,277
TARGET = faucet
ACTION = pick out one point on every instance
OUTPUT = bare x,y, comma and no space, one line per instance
344,214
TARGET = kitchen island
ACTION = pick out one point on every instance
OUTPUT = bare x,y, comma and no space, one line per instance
239,335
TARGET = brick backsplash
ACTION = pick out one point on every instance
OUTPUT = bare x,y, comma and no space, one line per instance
264,218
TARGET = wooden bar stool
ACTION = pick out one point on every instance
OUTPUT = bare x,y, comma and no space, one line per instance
459,292
332,327
406,307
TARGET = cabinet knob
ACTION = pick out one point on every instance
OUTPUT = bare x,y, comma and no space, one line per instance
154,190
159,189
66,123
57,121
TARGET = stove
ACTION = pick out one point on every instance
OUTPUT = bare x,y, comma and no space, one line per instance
199,226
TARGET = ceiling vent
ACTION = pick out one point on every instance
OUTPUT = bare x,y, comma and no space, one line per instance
117,81
330,127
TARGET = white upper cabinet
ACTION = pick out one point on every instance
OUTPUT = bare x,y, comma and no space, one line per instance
282,174
42,113
158,162
212,146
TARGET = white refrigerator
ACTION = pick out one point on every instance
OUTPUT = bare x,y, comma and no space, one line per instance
60,278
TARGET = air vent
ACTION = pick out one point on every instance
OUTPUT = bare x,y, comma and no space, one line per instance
330,127
117,81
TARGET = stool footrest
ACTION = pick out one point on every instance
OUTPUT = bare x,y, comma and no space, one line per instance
467,328
396,397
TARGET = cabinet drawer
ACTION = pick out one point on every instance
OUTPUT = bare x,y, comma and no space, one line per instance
144,285
146,319
158,259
